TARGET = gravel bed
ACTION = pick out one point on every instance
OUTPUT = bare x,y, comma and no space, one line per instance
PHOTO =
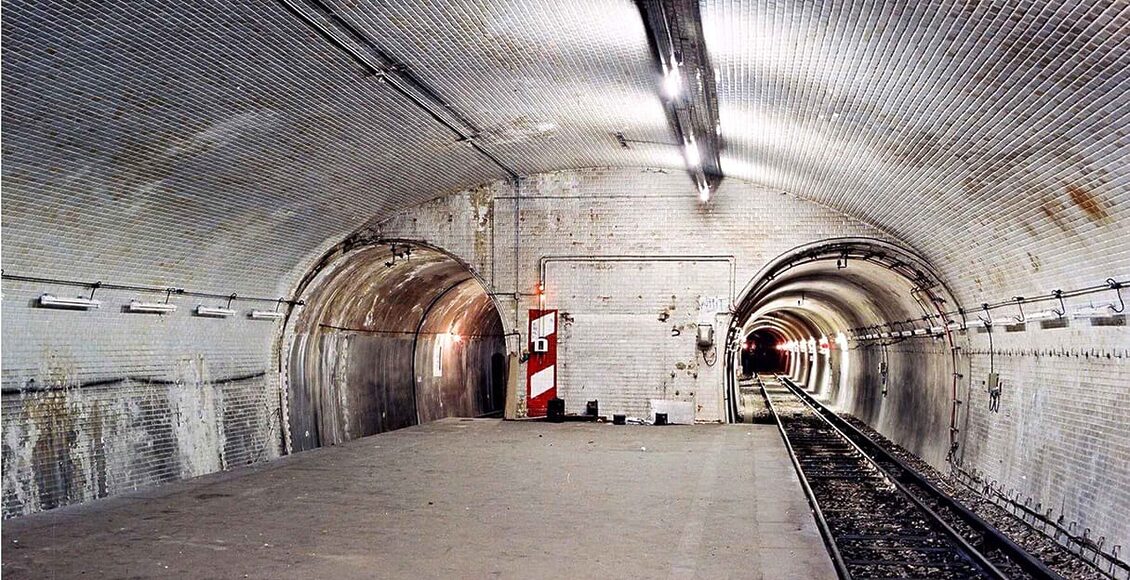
1054,555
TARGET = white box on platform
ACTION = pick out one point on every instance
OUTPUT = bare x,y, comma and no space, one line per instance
678,412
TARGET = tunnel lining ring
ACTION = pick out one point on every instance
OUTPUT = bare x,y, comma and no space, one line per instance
389,290
900,261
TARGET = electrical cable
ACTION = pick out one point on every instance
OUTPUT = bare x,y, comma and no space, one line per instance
1056,295
147,289
32,386
710,362
993,388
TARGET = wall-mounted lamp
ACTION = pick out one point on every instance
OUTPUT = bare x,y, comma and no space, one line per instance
690,150
1045,315
1104,310
151,307
52,301
268,314
672,82
214,311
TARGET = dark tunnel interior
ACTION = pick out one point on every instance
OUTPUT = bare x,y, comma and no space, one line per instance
760,353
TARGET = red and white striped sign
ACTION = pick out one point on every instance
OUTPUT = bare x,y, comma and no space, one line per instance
541,369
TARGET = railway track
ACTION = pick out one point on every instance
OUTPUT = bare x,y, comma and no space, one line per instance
879,518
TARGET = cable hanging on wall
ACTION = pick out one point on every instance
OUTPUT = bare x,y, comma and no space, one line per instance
992,385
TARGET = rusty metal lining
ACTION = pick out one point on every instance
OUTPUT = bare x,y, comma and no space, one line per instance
392,335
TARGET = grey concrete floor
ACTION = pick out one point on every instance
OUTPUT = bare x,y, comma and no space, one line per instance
457,499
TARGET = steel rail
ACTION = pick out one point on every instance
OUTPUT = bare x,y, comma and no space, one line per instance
991,537
817,513
960,545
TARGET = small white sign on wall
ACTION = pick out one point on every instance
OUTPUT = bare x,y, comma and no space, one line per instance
709,307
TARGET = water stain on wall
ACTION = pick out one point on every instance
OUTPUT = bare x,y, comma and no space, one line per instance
69,442
1092,206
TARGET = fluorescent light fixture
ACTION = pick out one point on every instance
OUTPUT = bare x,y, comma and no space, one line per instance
672,83
52,301
1006,321
1095,311
704,193
977,323
906,333
953,326
884,335
1044,315
690,149
214,311
152,307
921,331
266,314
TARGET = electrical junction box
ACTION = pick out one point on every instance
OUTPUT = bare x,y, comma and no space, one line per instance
705,337
994,383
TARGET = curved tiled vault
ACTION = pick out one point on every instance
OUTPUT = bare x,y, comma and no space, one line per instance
221,154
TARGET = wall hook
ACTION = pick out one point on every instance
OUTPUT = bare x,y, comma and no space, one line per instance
1019,304
1117,287
1062,307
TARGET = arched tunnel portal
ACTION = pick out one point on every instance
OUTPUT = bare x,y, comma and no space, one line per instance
808,307
390,336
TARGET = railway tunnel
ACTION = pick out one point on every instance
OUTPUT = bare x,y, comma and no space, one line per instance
389,337
584,288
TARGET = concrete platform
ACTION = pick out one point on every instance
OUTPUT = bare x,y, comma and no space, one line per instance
458,499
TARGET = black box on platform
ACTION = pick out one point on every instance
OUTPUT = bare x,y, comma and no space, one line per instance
556,411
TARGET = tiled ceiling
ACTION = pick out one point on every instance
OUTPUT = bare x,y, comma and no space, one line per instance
974,131
982,133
